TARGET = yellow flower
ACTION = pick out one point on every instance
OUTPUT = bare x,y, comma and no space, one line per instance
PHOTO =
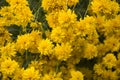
104,70
8,50
112,27
52,19
53,5
17,74
36,37
23,42
58,35
72,2
29,41
112,44
62,52
17,2
45,47
5,11
66,17
30,74
8,67
90,51
62,18
5,36
76,75
110,7
52,76
109,60
35,25
15,13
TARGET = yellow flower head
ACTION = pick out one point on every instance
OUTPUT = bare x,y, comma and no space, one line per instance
52,76
8,67
23,42
62,52
72,2
35,25
110,7
52,19
45,47
66,17
5,36
76,75
109,60
17,2
90,51
8,50
31,74
53,5
58,35
17,13
112,43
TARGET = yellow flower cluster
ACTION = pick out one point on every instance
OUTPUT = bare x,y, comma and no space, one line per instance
45,47
76,75
63,51
107,69
8,51
62,46
5,36
28,42
17,13
30,74
99,7
8,67
53,5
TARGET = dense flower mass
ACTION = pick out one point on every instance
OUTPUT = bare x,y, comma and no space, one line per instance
60,40
17,13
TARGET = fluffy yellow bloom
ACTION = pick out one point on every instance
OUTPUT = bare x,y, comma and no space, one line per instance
76,75
15,13
72,2
8,66
104,70
86,26
109,60
112,27
4,11
53,5
23,42
52,19
31,74
5,36
112,44
22,18
66,17
35,25
110,7
62,18
17,2
45,47
63,51
29,41
98,69
7,15
90,51
58,34
18,74
111,75
36,37
107,68
52,76
37,65
8,50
